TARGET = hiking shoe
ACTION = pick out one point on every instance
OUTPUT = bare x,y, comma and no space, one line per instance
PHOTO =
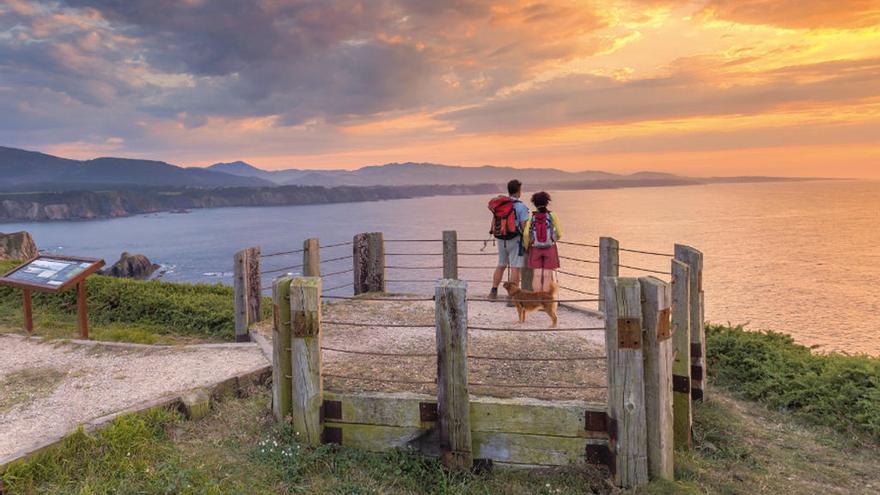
493,294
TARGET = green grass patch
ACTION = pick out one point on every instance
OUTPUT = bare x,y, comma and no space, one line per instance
128,310
836,390
27,385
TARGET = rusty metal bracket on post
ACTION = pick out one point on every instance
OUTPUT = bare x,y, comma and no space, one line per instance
629,333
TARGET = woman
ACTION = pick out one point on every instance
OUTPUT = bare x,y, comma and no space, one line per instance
540,233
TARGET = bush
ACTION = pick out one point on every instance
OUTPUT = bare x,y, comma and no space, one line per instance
836,390
165,307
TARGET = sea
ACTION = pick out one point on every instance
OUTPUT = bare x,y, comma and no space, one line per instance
801,258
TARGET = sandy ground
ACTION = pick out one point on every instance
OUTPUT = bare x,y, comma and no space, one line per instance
540,376
88,382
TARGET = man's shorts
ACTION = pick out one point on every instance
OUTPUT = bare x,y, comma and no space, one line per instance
510,252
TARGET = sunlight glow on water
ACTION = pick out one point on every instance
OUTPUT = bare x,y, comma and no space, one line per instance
801,258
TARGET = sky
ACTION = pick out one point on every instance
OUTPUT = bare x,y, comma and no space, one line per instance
709,87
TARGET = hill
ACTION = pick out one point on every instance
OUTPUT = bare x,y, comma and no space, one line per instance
416,174
24,170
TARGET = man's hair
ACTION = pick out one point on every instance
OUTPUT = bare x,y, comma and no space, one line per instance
514,187
541,199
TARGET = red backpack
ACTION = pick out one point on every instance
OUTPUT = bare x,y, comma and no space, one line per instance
504,224
542,234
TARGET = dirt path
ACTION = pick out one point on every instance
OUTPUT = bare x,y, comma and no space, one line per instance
540,376
47,389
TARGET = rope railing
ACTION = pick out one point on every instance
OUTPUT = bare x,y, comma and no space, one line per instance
413,254
538,359
380,354
396,267
586,293
386,325
505,300
648,270
281,253
380,380
569,243
410,281
652,253
343,286
282,269
474,357
579,260
544,386
340,258
532,330
338,244
578,275
340,272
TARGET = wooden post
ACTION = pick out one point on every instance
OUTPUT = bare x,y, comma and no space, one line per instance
609,258
305,356
681,352
281,369
453,407
526,274
82,312
450,254
368,251
28,311
254,294
656,314
694,259
628,432
240,293
311,258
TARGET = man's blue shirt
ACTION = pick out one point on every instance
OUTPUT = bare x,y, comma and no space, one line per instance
522,212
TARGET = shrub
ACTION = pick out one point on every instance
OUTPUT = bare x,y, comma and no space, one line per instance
837,390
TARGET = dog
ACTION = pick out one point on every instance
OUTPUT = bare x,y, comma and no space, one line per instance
526,301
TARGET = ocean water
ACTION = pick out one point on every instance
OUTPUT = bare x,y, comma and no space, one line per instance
798,257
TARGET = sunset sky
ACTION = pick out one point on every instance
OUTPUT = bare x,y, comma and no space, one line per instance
710,87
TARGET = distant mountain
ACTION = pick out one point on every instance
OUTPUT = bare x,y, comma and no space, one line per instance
415,174
23,170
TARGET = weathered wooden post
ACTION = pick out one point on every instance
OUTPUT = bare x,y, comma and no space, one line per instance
694,259
681,352
305,355
628,440
609,259
526,274
281,369
450,254
240,295
254,289
453,406
311,258
656,313
368,251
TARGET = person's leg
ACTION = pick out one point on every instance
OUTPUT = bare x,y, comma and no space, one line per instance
536,280
498,275
548,280
515,275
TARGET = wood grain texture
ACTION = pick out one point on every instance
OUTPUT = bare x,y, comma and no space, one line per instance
694,259
305,358
368,252
240,294
656,302
626,385
254,288
311,257
281,369
681,351
452,374
450,254
82,310
609,259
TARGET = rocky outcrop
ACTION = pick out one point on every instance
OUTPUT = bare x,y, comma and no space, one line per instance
130,265
17,246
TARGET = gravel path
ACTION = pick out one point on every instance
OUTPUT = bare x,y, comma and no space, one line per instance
88,382
541,377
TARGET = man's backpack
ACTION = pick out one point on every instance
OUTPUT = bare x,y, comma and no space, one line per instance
504,224
542,234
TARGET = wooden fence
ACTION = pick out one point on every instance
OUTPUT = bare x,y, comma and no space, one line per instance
655,368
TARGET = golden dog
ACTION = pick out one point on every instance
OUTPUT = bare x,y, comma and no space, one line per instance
526,301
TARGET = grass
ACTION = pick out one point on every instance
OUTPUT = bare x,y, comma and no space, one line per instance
835,390
741,448
24,386
148,312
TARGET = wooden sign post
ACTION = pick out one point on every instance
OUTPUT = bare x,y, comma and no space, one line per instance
53,273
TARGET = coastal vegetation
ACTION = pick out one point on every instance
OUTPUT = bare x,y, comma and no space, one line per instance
128,310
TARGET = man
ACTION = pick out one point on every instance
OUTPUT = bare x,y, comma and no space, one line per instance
509,216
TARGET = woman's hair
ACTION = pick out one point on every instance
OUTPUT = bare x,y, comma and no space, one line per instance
541,199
